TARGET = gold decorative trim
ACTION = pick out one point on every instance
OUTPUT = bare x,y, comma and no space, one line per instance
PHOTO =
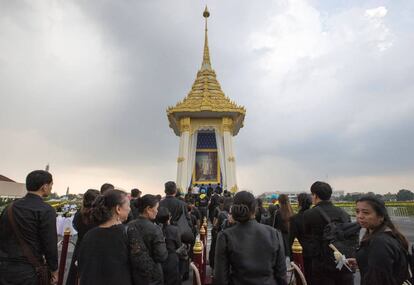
234,189
231,158
185,124
180,159
227,124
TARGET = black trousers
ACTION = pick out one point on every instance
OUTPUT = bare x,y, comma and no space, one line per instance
15,273
203,212
321,276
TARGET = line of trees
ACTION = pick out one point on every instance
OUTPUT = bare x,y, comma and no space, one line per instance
402,195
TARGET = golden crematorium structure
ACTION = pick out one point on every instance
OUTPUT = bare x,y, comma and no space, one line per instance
206,122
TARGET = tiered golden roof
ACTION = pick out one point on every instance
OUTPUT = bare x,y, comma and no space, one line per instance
206,99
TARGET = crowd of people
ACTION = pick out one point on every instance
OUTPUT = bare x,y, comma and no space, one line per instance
148,239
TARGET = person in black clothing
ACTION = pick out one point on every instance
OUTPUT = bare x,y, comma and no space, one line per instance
382,256
218,189
210,190
314,226
215,229
212,205
82,223
170,267
176,208
202,203
189,195
221,214
153,238
195,216
106,186
174,205
248,252
270,220
103,255
224,214
260,211
135,194
36,222
281,221
297,230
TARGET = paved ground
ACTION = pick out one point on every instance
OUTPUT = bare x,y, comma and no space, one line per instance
406,225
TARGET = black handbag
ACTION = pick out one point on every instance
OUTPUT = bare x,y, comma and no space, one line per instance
184,229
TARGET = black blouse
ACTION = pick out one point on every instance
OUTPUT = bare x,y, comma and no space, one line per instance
382,260
103,257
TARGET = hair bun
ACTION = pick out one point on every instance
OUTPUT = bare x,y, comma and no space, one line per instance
240,213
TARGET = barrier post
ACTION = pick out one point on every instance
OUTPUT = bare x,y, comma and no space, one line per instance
198,259
63,255
204,273
297,256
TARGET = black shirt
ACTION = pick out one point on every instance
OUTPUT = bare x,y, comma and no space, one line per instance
248,254
297,230
103,257
36,221
382,260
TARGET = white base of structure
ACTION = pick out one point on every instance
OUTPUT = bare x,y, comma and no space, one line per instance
188,148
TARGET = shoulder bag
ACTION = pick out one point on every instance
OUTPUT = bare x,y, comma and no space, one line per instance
42,271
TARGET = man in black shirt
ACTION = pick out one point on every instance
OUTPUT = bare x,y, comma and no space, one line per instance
36,222
133,214
314,225
174,205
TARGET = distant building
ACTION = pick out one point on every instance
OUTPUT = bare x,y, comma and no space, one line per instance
11,189
337,194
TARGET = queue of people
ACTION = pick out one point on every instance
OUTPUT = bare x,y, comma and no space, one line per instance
148,239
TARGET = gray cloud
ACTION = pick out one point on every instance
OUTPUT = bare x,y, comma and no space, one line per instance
90,82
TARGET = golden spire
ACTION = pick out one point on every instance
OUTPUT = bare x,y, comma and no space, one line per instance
206,96
206,55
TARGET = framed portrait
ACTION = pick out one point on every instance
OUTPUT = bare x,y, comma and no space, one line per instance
207,168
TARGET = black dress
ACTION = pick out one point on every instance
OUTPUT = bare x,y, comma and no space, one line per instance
297,230
170,267
283,228
103,257
82,228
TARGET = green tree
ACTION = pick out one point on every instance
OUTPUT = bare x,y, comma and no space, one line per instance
405,195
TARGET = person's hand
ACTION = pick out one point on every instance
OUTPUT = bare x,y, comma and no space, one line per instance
352,263
54,278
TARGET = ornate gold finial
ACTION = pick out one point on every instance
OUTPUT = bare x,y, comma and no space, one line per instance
198,247
206,55
296,247
206,13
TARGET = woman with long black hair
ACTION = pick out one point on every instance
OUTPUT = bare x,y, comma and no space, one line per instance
297,230
382,256
82,223
282,218
248,252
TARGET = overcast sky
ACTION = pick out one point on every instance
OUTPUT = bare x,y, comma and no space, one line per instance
328,87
